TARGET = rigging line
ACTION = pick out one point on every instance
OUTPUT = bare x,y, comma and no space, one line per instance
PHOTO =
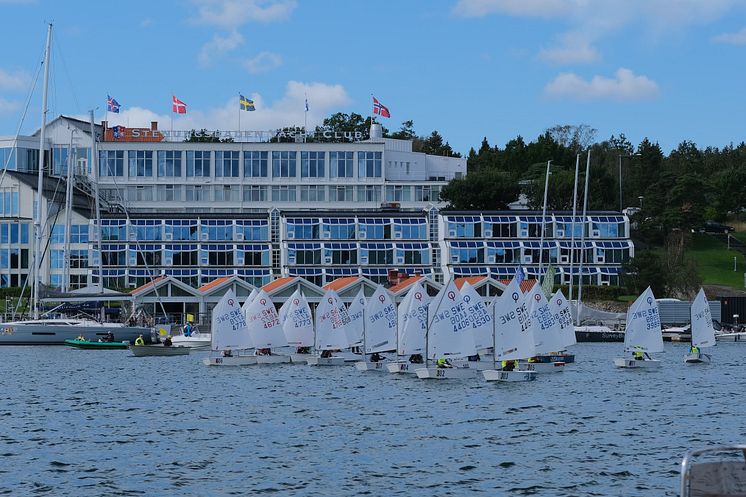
58,48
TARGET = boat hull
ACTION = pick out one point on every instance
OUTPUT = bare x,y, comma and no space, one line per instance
731,337
508,376
434,373
89,345
43,334
697,358
158,350
241,360
629,363
546,367
325,361
379,366
272,359
403,367
199,342
565,358
299,358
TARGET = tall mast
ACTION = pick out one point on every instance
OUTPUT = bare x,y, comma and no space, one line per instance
572,226
582,235
94,172
68,214
543,224
40,183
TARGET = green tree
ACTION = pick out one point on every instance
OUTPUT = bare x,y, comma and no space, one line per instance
483,190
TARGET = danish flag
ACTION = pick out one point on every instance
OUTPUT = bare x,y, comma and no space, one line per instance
380,109
178,106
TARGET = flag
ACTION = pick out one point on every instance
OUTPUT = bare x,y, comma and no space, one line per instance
380,109
118,132
306,105
162,332
178,106
519,276
548,283
112,105
245,103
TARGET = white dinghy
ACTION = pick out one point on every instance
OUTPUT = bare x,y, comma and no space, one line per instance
410,339
449,336
265,330
482,325
379,330
547,332
298,327
643,334
703,334
355,329
513,337
230,335
197,340
331,331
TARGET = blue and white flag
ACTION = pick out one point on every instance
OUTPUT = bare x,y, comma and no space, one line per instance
519,275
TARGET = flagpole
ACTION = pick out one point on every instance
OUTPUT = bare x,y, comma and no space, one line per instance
305,117
239,114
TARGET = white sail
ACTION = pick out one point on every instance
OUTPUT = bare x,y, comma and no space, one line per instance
561,309
264,323
413,321
298,325
248,302
479,316
514,338
355,328
332,320
545,328
450,331
703,334
380,322
229,330
283,312
643,331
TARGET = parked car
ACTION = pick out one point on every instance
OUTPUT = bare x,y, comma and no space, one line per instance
714,227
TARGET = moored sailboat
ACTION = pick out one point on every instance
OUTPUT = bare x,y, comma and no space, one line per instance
379,330
413,314
643,333
298,327
482,325
265,330
230,335
703,333
547,332
331,331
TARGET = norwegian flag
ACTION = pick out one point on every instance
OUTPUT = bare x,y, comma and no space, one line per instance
380,109
178,106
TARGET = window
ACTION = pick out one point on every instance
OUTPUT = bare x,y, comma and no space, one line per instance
377,253
114,255
254,255
312,164
111,163
468,255
375,229
398,193
146,255
197,193
255,193
369,164
464,227
341,193
217,230
140,163
502,229
413,253
181,230
301,254
226,164
283,164
312,193
369,193
283,193
410,229
146,229
58,233
218,255
340,164
57,259
341,253
169,163
182,255
303,229
140,193
79,259
169,193
226,193
255,164
253,229
338,229
198,163
79,233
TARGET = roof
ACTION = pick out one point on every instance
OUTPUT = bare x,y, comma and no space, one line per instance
278,283
525,213
142,288
341,283
54,190
405,283
473,280
526,285
214,283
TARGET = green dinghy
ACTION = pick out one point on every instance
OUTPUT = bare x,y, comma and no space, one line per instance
86,344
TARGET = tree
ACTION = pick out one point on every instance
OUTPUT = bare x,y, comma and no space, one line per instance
433,145
574,137
484,190
406,132
646,269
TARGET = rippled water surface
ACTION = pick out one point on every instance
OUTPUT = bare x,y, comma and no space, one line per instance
102,423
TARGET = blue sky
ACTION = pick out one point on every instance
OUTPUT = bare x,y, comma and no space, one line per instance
670,70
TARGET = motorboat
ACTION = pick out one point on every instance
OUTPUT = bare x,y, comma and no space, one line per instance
159,350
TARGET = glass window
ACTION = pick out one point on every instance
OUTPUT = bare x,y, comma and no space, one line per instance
111,163
58,233
226,193
197,193
169,193
369,164
377,254
283,193
312,164
198,163
253,230
303,229
283,164
169,163
226,164
140,193
312,193
79,233
255,164
140,163
255,193
341,193
369,193
398,193
57,259
340,164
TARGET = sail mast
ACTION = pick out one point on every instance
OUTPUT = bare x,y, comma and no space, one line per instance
40,183
94,172
572,227
582,236
68,214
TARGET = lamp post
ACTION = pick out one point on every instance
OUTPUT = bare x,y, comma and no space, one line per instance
621,156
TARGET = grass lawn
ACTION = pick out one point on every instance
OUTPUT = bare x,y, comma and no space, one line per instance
715,261
741,235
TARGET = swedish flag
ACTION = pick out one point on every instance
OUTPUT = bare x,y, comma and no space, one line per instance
245,103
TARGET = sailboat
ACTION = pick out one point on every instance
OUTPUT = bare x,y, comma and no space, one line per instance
413,313
355,328
332,320
379,329
249,300
703,334
513,337
560,307
230,335
643,333
482,324
298,327
449,336
547,332
265,330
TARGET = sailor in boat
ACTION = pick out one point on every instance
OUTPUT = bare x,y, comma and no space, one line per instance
188,329
694,349
443,363
303,350
509,365
532,360
227,353
640,356
326,354
139,340
80,338
415,358
109,337
376,357
167,342
474,358
264,351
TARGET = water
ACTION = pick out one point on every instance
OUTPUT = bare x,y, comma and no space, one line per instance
103,423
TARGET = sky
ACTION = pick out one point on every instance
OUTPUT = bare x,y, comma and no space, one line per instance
669,70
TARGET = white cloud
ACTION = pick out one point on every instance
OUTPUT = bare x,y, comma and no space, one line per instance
219,45
230,14
737,38
624,86
571,49
263,62
16,81
323,99
8,106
